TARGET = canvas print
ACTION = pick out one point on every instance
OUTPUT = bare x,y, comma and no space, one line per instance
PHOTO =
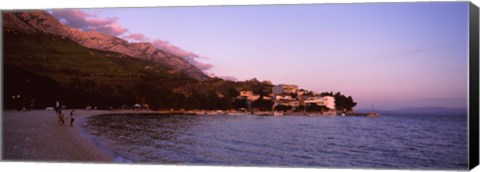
367,85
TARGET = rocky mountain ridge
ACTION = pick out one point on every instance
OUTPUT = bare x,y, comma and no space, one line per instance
41,21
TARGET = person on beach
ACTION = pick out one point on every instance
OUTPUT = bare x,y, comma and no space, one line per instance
58,111
61,119
72,117
57,106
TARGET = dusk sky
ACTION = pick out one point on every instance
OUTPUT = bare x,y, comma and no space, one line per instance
390,55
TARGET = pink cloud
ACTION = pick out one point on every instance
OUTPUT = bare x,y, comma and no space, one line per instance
201,66
187,55
89,22
112,29
166,46
137,37
74,18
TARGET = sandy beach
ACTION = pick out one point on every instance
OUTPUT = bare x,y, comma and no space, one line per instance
35,136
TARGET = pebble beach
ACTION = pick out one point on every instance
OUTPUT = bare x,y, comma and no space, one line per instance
35,136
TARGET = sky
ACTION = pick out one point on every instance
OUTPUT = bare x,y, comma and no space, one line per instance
386,55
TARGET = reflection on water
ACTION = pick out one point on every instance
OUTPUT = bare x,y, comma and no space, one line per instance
391,141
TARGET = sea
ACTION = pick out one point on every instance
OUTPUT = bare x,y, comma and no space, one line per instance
391,141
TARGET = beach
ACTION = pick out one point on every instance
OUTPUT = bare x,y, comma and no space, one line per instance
35,136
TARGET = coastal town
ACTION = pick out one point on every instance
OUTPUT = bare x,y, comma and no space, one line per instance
277,100
289,98
283,99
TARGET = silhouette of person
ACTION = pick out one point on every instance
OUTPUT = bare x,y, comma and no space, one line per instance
72,117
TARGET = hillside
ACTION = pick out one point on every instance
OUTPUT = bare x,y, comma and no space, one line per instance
45,67
48,67
42,22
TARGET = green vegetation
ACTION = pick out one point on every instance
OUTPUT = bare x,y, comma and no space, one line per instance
46,68
39,63
342,102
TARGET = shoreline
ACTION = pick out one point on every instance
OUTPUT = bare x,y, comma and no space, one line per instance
35,136
266,113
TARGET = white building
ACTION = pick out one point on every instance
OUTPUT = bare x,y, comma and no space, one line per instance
283,97
327,101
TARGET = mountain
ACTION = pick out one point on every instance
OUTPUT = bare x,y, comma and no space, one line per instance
43,22
45,60
48,67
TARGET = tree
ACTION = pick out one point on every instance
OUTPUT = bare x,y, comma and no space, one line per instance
316,108
342,102
262,104
240,103
283,108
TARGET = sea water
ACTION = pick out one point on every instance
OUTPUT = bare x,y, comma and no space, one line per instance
421,141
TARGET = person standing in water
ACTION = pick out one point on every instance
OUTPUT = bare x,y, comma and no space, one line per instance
72,117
